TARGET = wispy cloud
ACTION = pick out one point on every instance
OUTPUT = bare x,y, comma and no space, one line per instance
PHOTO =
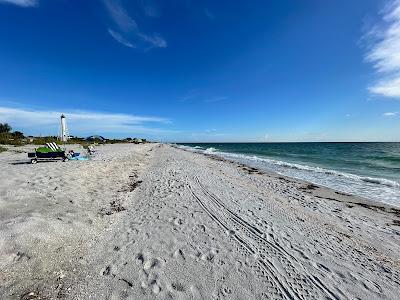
190,95
119,38
22,3
81,122
126,31
208,134
196,96
209,14
384,52
390,114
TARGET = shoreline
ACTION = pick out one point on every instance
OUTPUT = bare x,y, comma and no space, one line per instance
153,221
327,192
360,199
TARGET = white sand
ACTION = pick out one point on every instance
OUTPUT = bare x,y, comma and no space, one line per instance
152,221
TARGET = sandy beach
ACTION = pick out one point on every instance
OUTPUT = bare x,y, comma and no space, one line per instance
153,221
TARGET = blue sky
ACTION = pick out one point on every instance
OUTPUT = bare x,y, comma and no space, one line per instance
183,70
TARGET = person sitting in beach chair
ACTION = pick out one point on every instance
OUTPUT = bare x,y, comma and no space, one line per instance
90,150
72,154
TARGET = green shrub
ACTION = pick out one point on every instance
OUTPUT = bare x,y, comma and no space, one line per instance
44,140
7,138
5,128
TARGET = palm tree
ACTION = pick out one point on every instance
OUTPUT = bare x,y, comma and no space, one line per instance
5,128
18,134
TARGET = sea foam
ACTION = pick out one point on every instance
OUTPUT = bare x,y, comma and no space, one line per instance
379,189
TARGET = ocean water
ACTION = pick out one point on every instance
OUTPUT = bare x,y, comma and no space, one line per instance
369,170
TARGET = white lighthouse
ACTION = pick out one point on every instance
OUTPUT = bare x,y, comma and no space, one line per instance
64,130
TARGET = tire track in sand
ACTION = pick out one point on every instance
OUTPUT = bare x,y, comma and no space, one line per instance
285,277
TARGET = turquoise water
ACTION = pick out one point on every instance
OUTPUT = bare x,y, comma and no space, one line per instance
370,170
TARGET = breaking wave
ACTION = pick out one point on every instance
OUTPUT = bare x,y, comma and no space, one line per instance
364,186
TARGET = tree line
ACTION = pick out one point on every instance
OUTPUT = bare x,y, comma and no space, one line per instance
6,133
10,137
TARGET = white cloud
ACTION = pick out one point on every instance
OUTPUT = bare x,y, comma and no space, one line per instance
211,130
190,95
384,52
80,122
127,31
23,3
120,39
209,134
387,87
390,114
196,96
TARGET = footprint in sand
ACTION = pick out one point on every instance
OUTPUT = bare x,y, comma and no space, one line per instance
150,264
178,254
20,256
201,227
156,288
178,221
106,271
151,278
177,286
140,258
209,255
230,232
